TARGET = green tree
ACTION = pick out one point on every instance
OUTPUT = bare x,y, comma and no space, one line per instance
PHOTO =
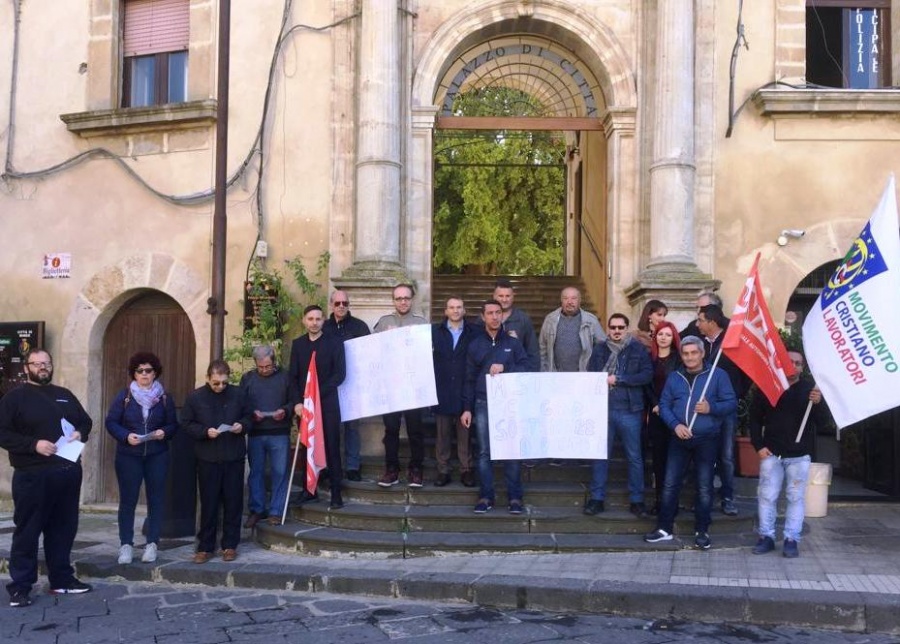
499,195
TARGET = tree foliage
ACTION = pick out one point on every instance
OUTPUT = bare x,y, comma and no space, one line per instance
499,195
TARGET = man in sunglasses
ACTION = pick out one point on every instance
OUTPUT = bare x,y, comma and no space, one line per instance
346,327
627,365
35,419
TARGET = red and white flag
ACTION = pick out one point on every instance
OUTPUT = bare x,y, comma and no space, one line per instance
311,433
752,341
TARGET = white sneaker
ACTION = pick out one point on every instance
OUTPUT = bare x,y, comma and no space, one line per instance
149,555
126,554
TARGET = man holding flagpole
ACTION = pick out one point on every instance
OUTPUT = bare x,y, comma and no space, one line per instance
784,446
330,368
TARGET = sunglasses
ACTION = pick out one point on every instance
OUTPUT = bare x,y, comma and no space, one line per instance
143,370
341,303
617,327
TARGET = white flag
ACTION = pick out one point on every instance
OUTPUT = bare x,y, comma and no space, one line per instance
852,335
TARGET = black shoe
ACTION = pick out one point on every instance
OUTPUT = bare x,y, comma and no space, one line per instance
638,510
442,480
337,501
306,497
74,587
702,541
467,478
354,475
593,507
728,508
19,599
764,545
657,535
790,549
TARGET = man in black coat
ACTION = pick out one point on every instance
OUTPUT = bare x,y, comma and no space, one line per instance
331,369
216,415
34,418
450,342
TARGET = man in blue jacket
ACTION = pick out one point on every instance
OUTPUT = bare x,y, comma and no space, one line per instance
694,404
628,368
450,342
491,352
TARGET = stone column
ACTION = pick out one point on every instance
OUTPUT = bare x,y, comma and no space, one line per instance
671,273
376,251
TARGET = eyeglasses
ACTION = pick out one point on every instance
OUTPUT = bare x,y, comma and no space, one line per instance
40,365
403,298
337,303
617,327
143,370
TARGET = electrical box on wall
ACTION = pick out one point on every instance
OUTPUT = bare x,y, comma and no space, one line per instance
262,249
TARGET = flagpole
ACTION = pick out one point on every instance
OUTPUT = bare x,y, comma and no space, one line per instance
706,385
287,497
803,423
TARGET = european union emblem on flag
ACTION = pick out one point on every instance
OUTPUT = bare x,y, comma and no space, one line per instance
862,262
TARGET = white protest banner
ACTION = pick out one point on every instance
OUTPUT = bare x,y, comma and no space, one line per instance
547,415
389,371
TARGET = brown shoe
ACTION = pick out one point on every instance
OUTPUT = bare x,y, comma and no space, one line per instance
467,478
202,557
274,520
389,478
253,519
229,554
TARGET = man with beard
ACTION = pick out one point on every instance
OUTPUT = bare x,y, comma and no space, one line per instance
45,487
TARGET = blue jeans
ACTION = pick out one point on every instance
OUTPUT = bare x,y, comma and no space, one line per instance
277,449
703,450
725,463
131,471
627,425
512,470
351,444
772,472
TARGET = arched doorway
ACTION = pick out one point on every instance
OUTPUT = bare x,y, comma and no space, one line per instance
151,321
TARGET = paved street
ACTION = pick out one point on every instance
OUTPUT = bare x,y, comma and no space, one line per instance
144,613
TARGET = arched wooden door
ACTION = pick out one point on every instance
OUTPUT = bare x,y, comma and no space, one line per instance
152,321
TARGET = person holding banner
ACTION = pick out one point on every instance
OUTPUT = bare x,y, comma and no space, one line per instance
331,369
491,352
784,443
627,365
216,415
694,404
403,295
713,324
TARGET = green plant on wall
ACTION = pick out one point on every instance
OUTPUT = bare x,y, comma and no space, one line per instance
277,312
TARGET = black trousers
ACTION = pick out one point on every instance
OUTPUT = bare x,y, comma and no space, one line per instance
46,502
331,428
414,433
660,435
221,484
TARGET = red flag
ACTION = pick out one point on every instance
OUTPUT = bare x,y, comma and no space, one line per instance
752,341
311,427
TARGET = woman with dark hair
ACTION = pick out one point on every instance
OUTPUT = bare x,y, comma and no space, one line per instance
142,420
665,354
655,311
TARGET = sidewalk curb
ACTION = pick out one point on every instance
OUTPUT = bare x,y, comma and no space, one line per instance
846,611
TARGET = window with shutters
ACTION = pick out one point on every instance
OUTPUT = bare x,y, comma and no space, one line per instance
848,43
155,39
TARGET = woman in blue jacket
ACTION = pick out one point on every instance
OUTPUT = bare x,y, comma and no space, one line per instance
142,420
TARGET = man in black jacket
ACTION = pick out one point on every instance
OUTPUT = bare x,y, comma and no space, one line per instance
34,418
450,342
346,327
773,431
331,369
216,415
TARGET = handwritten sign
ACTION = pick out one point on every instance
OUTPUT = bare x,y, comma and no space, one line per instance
547,415
389,371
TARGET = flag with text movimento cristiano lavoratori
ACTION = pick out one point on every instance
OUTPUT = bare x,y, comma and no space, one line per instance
851,336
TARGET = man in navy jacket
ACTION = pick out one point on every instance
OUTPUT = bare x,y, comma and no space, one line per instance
694,404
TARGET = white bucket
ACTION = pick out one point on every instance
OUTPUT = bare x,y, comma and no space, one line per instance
817,490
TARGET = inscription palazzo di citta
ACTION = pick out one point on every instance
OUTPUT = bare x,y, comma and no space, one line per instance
498,54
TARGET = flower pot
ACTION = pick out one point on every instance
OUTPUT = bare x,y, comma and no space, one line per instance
746,457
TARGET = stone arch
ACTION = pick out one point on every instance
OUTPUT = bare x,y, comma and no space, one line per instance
592,41
104,294
823,243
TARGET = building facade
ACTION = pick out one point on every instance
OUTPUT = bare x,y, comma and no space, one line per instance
697,133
